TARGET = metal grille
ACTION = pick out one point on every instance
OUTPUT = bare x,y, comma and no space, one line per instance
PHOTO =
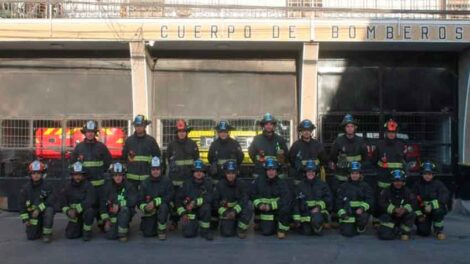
431,132
203,133
50,141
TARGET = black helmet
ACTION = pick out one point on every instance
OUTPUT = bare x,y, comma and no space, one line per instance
141,120
348,119
306,124
223,126
268,118
90,126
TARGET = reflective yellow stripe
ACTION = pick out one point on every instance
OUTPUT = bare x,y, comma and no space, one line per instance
296,217
237,208
180,210
199,201
265,217
142,158
158,201
93,163
96,183
42,207
408,208
341,177
242,226
86,227
34,221
24,216
313,203
349,220
388,224
390,208
104,216
405,228
204,224
142,206
222,210
341,212
282,227
136,177
274,205
383,185
46,231
161,226
77,207
223,161
305,219
359,204
122,230
438,224
113,220
191,216
435,204
390,165
418,213
187,162
354,158
65,209
316,161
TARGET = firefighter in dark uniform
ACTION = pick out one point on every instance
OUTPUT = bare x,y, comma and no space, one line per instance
36,202
268,145
345,149
389,155
117,204
194,202
397,204
432,196
95,158
76,202
272,200
313,201
138,150
181,154
231,198
306,148
155,196
354,201
223,149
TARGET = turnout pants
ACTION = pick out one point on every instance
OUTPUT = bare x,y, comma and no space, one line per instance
392,226
42,225
154,224
82,223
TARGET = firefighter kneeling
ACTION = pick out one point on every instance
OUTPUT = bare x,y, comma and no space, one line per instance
232,200
155,196
117,204
272,201
36,204
194,203
398,204
354,201
433,197
76,201
313,201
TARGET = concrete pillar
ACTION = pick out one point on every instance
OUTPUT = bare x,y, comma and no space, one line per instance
308,82
464,108
142,81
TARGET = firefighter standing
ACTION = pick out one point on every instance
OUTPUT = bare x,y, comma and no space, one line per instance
313,201
36,202
306,148
397,204
117,204
95,158
433,197
76,202
138,151
223,149
272,201
194,203
231,198
155,196
181,154
268,145
354,200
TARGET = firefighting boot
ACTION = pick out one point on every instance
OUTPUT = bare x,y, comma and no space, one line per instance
405,237
207,234
86,235
123,238
46,238
162,236
241,233
440,236
281,235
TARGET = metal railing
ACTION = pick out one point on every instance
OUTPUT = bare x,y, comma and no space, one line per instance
73,9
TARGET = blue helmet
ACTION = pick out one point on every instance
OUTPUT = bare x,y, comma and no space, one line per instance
306,124
398,175
230,166
117,168
355,166
199,165
141,120
310,166
155,162
89,126
271,163
223,126
428,166
77,168
268,118
348,119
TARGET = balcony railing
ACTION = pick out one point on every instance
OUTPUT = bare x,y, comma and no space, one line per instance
111,9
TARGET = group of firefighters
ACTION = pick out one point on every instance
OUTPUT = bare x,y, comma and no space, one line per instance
200,197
